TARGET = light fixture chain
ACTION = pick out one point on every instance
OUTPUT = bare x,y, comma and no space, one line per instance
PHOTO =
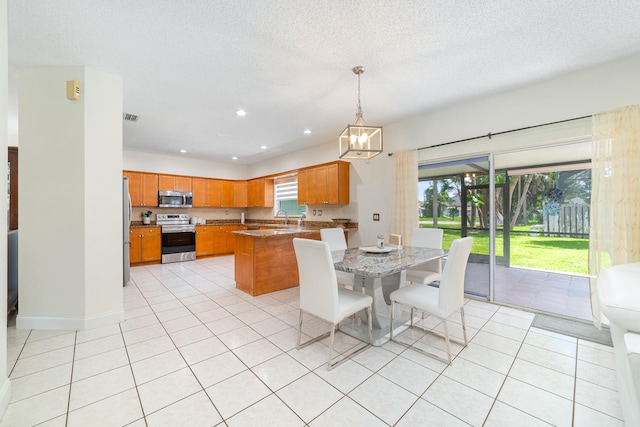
359,112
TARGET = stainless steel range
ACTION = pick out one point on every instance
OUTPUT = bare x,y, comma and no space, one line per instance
178,237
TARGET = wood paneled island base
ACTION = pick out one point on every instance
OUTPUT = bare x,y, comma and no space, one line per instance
265,260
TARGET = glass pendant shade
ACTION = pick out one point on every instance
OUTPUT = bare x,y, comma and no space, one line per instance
360,140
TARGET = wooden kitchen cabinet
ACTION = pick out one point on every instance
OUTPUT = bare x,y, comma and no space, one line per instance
204,240
324,184
303,184
146,244
231,238
143,188
226,197
174,183
240,194
206,192
219,240
266,264
215,239
260,193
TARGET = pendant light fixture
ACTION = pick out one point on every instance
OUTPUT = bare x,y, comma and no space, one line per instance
359,140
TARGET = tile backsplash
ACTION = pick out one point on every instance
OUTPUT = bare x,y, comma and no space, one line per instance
233,214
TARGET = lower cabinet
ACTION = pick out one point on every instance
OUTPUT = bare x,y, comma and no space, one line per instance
231,238
146,244
216,239
204,240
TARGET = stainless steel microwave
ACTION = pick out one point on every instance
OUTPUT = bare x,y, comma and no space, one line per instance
175,199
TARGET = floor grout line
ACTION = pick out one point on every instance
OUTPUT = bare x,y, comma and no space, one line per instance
159,281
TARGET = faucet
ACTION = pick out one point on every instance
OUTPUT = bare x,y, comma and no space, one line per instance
286,216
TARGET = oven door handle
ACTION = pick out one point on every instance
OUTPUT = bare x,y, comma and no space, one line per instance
178,231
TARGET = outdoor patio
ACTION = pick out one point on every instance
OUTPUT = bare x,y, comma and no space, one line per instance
555,293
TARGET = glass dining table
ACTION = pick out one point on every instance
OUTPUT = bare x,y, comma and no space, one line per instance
379,273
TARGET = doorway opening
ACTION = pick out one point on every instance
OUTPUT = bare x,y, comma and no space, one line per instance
540,220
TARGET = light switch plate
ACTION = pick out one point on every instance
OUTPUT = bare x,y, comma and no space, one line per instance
376,217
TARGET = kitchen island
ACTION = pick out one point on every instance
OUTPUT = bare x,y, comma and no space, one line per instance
265,260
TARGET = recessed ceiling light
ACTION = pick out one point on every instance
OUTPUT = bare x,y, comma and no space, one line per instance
234,158
263,147
241,113
307,131
183,151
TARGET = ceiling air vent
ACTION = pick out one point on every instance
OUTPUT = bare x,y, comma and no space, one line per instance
129,117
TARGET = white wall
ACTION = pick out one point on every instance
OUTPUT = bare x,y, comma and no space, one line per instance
70,207
5,384
103,193
176,165
573,95
582,93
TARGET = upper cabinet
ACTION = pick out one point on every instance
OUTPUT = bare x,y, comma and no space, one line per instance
206,192
174,183
143,188
260,193
219,193
240,189
324,184
226,199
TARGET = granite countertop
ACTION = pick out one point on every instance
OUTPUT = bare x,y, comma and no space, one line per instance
307,225
288,231
139,224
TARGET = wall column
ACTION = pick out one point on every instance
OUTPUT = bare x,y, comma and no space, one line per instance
5,384
70,204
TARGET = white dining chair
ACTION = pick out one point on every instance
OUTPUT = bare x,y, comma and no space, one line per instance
337,242
441,301
320,295
431,271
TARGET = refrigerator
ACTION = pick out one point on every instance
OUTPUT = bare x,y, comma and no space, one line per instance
126,223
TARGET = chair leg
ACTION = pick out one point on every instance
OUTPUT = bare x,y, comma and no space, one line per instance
446,340
369,318
411,317
391,322
299,330
333,328
464,327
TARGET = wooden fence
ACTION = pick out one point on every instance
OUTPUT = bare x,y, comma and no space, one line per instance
571,221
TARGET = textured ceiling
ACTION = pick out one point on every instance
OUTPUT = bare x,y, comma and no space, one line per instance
189,65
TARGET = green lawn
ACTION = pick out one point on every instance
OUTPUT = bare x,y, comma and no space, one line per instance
561,254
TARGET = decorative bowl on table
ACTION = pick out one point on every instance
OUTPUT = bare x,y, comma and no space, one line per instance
377,250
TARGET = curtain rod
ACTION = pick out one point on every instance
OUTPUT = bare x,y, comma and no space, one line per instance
489,135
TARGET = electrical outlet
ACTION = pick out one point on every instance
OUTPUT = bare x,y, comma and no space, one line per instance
376,217
320,212
314,212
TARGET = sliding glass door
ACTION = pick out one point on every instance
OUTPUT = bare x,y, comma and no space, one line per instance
455,196
548,228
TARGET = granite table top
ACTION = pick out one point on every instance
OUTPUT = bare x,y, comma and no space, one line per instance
360,262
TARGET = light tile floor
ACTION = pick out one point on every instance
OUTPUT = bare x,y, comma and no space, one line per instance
194,351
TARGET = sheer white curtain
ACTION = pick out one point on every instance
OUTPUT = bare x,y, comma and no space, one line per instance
404,209
614,227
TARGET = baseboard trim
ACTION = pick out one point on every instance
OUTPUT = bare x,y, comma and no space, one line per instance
68,323
5,396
